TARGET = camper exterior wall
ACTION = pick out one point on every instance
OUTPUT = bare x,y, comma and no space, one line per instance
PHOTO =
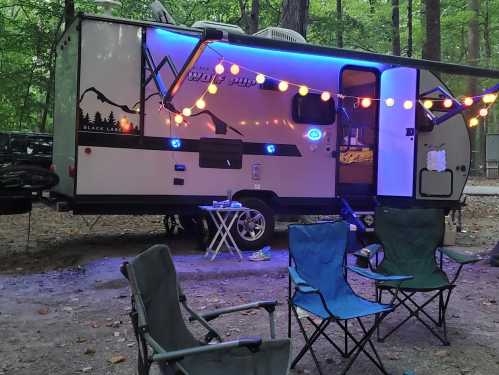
65,109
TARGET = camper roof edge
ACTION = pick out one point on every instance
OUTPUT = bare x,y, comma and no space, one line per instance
255,41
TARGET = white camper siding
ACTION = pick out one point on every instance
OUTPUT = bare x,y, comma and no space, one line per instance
452,137
111,64
395,144
66,78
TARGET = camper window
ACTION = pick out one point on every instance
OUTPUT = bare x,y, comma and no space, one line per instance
310,109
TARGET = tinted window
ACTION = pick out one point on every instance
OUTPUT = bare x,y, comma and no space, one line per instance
311,109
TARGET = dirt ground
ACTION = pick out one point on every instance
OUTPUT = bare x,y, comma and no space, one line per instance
64,304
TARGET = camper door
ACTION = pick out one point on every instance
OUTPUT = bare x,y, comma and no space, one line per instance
396,139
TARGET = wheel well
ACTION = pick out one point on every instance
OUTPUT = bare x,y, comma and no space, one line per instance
265,195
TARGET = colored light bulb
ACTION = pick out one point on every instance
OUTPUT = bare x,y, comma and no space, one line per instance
212,88
219,68
428,104
303,90
283,86
178,118
186,112
489,98
448,103
260,78
234,69
390,102
474,122
325,96
483,112
365,102
200,103
408,104
468,101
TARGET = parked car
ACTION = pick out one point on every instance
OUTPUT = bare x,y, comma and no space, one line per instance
26,149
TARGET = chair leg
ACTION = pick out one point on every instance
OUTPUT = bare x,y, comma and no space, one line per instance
308,341
379,299
345,355
360,348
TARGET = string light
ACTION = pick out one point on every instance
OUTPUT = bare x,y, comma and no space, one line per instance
283,86
489,98
390,102
234,69
212,88
219,68
474,122
303,90
408,104
468,101
178,118
366,102
200,103
483,112
448,103
428,104
325,96
260,78
186,112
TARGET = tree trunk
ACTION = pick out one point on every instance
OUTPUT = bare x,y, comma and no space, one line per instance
409,28
432,44
294,15
251,20
339,24
486,33
50,83
69,12
396,27
473,59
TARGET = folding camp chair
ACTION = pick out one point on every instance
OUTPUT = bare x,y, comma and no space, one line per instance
158,323
409,240
318,252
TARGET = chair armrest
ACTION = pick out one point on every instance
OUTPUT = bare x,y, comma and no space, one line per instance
373,250
210,315
252,343
300,283
377,276
458,256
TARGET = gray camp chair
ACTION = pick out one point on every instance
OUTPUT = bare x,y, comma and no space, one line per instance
159,325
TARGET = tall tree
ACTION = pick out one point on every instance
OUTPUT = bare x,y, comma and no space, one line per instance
409,28
69,12
432,43
474,59
251,18
294,15
339,24
396,27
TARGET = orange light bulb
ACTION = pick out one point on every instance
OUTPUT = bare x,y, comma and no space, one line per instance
219,68
283,86
468,101
448,103
474,122
483,112
365,102
325,96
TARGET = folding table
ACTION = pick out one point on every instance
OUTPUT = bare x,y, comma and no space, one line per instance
224,218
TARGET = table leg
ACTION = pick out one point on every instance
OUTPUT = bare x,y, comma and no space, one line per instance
209,249
229,235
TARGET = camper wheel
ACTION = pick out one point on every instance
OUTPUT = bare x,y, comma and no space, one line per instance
254,228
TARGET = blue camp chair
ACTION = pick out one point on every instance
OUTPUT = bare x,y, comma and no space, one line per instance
319,276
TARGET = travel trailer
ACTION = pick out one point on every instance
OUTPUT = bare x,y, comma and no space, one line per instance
152,118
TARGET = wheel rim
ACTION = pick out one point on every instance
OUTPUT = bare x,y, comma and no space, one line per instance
251,225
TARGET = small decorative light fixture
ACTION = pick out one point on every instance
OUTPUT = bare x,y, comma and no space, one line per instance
200,103
325,96
178,118
283,86
428,104
234,69
303,90
408,104
270,148
314,134
483,112
219,68
489,98
186,111
474,122
448,103
468,101
365,103
260,78
212,88
390,102
175,143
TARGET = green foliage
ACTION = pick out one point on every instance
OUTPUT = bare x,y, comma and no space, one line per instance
29,29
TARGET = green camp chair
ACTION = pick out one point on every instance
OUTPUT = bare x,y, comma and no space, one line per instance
410,239
159,325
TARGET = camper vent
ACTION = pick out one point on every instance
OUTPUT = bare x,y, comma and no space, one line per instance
219,26
280,33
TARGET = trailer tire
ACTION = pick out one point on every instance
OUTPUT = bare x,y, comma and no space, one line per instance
257,223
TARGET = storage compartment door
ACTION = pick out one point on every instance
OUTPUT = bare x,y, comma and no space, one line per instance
397,132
